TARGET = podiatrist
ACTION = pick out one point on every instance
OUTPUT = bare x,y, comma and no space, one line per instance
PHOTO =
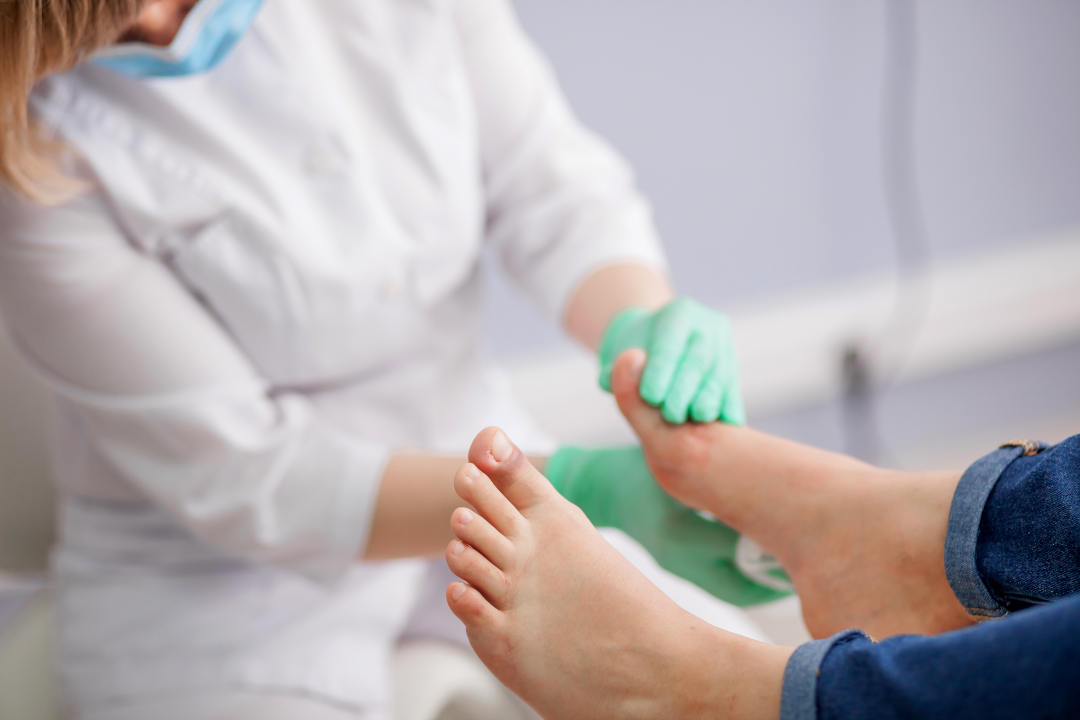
241,242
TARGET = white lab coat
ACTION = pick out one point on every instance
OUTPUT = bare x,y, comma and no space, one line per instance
275,286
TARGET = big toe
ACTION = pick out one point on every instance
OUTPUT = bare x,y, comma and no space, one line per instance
513,474
625,383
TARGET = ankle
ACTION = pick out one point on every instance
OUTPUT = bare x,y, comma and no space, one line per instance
767,488
918,506
743,461
727,675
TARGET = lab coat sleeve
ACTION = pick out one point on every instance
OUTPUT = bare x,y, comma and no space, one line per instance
560,202
170,406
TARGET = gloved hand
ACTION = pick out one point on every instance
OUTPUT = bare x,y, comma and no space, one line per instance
615,489
691,370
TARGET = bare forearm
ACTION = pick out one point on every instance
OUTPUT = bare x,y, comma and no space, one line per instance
413,507
412,511
606,292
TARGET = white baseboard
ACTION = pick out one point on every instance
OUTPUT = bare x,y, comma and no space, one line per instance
996,305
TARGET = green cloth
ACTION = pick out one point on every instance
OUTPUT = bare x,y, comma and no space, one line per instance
615,488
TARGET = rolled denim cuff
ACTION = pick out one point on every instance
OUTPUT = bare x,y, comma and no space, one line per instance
798,698
965,517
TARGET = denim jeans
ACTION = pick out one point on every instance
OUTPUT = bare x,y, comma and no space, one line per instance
1012,556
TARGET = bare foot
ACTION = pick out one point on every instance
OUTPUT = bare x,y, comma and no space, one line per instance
569,625
864,547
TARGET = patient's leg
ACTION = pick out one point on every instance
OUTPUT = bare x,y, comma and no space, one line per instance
864,546
571,626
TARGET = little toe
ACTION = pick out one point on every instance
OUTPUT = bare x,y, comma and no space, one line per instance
513,474
475,531
476,488
625,381
478,571
471,607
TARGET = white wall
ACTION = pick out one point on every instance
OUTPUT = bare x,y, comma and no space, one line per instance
754,128
756,131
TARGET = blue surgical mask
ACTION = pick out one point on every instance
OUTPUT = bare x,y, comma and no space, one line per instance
207,35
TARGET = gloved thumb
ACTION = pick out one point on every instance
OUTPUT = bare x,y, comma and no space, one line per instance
625,382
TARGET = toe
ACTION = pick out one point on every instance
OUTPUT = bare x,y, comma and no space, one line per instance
478,571
471,607
513,474
475,531
476,488
734,412
625,381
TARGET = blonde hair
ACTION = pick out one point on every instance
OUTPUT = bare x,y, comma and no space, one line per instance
38,37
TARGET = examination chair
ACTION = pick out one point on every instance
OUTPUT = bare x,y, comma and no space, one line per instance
432,681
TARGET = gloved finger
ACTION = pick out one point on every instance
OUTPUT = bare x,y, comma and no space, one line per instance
694,365
709,399
605,376
733,411
720,397
629,328
665,347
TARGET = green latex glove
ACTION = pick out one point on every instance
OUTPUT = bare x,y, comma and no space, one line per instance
691,372
615,489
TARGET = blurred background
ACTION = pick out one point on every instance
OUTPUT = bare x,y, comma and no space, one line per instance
885,197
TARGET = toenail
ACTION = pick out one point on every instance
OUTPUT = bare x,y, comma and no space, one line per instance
465,517
500,446
457,592
457,547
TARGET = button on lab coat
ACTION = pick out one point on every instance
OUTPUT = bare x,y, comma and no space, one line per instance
273,284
